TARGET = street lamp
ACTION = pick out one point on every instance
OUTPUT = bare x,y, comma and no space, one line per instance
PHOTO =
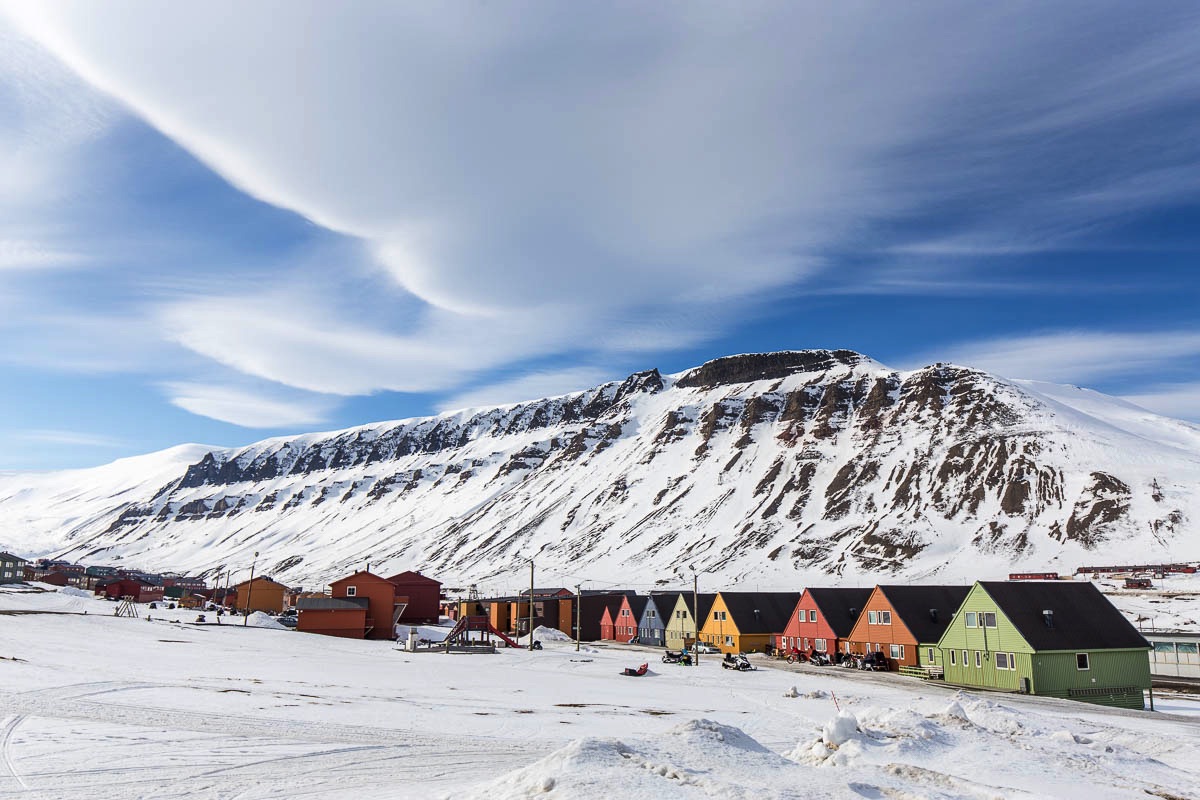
250,591
695,615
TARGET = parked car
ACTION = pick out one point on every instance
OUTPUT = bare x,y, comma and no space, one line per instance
703,647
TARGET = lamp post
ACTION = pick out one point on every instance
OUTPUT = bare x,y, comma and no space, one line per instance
531,605
578,612
695,616
250,591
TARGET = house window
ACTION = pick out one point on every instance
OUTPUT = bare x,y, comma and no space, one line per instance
729,641
896,650
872,618
970,619
953,661
989,619
1081,661
885,618
978,660
652,614
819,645
929,654
966,661
1005,661
812,615
351,591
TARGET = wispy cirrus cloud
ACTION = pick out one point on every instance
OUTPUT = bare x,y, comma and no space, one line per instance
533,182
248,408
71,438
1179,400
1074,356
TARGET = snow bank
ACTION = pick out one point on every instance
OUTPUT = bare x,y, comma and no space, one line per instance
258,619
840,729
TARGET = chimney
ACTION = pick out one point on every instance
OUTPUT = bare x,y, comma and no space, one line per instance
933,614
1048,616
854,612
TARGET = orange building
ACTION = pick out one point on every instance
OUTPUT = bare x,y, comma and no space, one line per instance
265,595
898,620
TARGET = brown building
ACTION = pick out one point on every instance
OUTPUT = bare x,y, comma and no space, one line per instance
264,595
898,620
367,606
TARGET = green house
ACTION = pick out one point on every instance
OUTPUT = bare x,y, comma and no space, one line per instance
1053,638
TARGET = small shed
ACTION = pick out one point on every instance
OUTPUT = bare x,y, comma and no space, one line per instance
333,616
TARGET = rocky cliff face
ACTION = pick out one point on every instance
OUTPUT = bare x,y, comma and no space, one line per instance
766,469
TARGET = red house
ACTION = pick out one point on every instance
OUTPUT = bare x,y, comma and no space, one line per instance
422,597
822,620
629,613
612,605
141,591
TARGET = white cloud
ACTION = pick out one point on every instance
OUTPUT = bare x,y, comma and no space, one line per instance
70,438
247,408
1179,400
1071,356
532,386
600,180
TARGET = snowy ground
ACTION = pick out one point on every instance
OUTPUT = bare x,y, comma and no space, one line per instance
164,709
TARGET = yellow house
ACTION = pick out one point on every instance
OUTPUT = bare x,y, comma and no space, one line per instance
746,622
681,627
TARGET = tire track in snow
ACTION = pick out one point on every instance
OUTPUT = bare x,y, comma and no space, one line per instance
6,736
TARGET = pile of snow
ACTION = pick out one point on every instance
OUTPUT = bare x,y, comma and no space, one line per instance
543,634
429,633
258,619
72,591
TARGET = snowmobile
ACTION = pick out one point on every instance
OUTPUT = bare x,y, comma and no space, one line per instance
682,657
738,662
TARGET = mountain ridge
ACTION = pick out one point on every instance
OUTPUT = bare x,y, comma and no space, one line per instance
764,466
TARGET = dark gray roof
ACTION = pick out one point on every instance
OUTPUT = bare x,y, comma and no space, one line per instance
1084,619
915,605
841,607
706,601
330,603
664,602
10,557
760,612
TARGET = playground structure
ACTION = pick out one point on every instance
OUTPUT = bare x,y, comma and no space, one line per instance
473,634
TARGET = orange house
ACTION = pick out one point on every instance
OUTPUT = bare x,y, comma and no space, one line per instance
822,620
265,595
898,620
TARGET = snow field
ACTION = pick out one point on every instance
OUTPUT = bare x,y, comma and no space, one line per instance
169,709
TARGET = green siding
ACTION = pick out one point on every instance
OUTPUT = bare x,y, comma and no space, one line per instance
1052,674
1055,674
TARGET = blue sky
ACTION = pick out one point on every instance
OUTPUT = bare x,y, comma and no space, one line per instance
236,220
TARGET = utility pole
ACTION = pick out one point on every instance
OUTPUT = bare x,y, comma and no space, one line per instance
578,611
531,604
249,591
695,616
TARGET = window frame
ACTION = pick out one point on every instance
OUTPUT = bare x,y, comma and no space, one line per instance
1085,659
872,617
978,659
351,591
989,619
885,618
970,619
812,615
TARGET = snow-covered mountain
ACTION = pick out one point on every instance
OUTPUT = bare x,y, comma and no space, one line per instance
762,469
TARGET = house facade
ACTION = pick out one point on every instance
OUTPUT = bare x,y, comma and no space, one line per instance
1059,639
652,627
681,625
345,617
12,568
142,591
629,616
822,620
905,623
747,622
263,594
422,597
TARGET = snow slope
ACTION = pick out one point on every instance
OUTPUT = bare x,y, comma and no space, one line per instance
308,716
760,470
